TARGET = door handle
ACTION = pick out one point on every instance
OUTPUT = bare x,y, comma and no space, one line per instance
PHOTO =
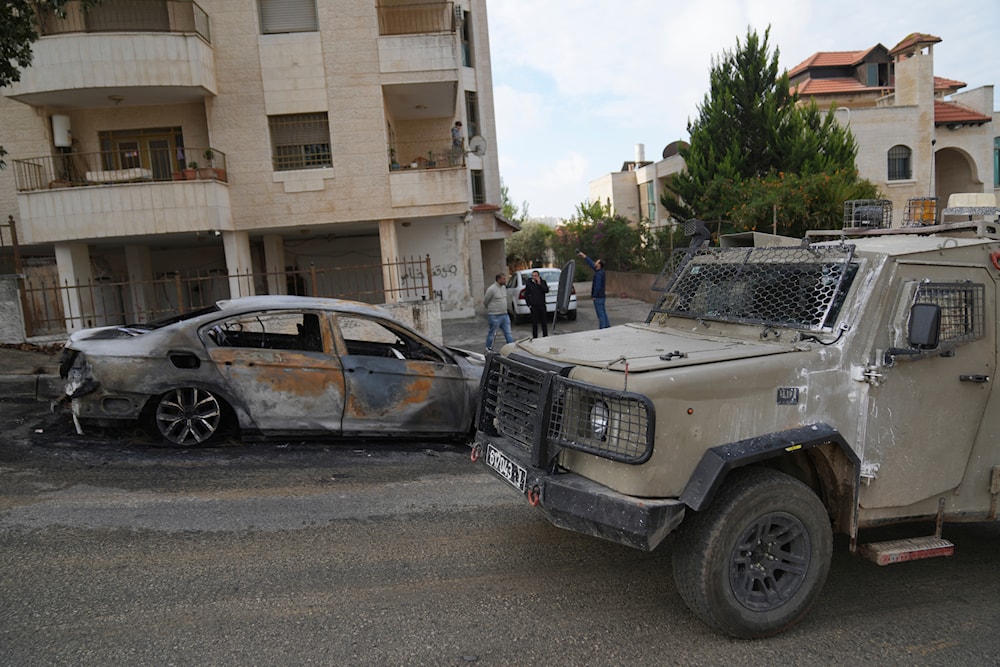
974,378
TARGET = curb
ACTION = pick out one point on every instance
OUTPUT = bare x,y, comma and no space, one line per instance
39,387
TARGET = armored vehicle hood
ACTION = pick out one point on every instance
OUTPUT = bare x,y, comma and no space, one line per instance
646,347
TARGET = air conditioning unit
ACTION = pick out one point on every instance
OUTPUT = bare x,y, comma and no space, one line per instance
459,14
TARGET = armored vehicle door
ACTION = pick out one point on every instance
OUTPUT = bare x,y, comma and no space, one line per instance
935,363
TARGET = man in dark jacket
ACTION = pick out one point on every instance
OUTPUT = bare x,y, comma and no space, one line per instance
597,289
534,295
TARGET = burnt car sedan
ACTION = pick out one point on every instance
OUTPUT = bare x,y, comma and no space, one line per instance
271,366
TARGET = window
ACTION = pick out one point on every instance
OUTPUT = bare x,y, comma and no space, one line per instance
996,162
466,38
962,311
900,167
651,200
277,16
270,331
478,187
472,113
300,141
370,338
159,149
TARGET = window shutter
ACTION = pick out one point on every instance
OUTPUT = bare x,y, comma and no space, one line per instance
277,16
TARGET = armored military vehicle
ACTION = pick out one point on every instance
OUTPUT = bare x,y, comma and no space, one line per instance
774,396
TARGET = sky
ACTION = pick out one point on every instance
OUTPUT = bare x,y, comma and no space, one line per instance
578,83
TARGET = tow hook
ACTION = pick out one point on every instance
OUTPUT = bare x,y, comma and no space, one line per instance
534,496
477,451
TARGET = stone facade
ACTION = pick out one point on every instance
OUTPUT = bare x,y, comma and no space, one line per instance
219,87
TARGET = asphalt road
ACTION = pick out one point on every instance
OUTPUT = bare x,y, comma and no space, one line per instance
115,552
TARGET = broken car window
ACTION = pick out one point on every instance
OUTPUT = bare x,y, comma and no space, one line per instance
371,338
270,331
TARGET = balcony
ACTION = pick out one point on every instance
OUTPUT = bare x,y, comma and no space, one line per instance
121,194
110,168
446,188
416,19
149,51
417,38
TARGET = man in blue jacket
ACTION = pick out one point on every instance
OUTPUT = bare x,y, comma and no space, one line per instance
597,289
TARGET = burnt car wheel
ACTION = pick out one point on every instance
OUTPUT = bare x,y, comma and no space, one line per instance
755,560
188,416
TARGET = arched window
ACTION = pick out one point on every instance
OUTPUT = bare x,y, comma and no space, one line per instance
900,163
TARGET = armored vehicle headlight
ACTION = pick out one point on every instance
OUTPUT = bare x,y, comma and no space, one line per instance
599,417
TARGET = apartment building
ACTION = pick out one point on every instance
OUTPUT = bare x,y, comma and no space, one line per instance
256,145
920,136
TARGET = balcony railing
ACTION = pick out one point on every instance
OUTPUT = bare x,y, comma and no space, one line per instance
445,156
420,19
118,167
181,16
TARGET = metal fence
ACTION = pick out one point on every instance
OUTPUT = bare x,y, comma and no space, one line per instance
54,307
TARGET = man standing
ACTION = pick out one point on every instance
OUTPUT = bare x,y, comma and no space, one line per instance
456,136
534,295
495,301
597,289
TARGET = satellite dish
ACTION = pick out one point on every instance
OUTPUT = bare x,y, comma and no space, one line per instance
477,145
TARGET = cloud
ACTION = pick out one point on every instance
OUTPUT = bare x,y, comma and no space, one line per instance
580,82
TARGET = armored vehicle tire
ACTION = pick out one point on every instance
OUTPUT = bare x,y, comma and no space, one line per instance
188,416
754,561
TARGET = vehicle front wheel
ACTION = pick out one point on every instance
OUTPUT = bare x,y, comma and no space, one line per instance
754,561
188,416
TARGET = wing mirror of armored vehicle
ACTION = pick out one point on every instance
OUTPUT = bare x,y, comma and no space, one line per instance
923,334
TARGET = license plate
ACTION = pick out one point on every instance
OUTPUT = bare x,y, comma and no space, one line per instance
503,466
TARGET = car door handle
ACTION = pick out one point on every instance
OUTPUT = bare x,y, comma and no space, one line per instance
974,378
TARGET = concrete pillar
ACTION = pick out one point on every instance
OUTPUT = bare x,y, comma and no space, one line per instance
239,264
139,295
274,264
389,246
73,264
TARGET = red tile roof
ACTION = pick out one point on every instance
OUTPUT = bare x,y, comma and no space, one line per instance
946,113
941,83
837,85
914,41
829,59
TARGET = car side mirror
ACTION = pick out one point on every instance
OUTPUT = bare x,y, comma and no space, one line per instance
924,332
925,326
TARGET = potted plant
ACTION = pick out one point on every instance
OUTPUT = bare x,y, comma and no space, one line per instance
393,164
431,162
191,173
209,171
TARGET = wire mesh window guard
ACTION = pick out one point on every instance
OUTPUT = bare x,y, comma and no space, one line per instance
961,307
795,287
868,213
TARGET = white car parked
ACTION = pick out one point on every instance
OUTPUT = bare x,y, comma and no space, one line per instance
516,305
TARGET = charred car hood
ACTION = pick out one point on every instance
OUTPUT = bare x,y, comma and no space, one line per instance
646,348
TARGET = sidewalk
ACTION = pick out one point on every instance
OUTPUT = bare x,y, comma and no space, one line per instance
29,374
32,374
